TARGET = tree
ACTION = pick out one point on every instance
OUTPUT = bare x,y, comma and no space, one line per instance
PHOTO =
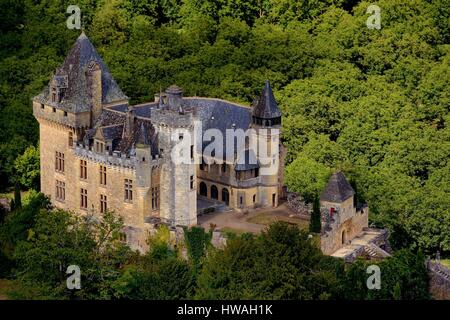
60,239
281,263
28,168
315,223
197,243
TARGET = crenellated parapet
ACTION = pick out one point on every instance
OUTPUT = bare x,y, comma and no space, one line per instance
115,159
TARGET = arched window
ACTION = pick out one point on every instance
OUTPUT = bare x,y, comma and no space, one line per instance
214,192
225,196
203,189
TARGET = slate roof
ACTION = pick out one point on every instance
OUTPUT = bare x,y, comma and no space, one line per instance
266,107
338,189
77,95
143,133
246,161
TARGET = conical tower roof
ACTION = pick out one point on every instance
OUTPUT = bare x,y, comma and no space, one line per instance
81,58
266,106
338,189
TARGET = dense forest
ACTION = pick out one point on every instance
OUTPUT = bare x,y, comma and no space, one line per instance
372,102
283,262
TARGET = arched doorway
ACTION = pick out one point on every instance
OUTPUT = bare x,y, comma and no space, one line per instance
225,196
214,192
203,189
344,237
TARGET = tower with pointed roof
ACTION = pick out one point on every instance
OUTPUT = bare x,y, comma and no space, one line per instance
342,221
266,123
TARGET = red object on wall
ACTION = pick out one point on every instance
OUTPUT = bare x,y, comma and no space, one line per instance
331,213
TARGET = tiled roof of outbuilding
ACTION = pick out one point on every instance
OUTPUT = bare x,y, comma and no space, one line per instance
338,189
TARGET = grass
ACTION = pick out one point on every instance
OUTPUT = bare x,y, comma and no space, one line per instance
10,195
446,262
5,287
266,218
228,232
15,290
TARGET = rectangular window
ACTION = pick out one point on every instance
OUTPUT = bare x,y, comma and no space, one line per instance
128,190
65,113
83,199
103,204
103,175
155,198
60,190
42,106
224,167
83,169
192,152
59,161
192,182
70,139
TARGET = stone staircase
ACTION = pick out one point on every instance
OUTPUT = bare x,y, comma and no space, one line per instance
374,251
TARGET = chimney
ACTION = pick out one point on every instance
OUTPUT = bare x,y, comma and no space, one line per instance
174,97
129,122
94,78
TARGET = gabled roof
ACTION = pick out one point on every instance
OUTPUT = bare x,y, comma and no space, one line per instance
338,189
266,107
77,95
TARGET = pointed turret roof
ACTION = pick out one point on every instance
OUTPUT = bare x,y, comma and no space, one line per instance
338,189
80,58
266,106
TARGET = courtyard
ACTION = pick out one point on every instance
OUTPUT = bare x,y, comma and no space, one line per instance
253,221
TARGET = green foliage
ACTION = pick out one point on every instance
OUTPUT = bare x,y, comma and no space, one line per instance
373,103
160,274
282,263
59,239
315,224
403,277
28,168
307,176
197,242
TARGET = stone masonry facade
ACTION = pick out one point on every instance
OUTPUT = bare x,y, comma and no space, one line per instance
98,153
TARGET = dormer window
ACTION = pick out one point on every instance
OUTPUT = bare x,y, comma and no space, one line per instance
65,113
58,85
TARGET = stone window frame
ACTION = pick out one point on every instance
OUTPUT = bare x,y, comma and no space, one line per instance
102,175
103,203
60,191
155,198
59,161
128,190
83,169
83,199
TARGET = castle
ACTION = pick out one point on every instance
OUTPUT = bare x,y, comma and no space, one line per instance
100,153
